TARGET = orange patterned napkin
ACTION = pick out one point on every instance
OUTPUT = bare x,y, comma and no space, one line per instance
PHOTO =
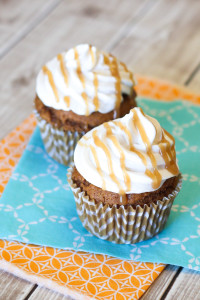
81,275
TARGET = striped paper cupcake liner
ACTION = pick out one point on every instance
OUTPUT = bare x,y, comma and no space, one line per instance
59,143
119,224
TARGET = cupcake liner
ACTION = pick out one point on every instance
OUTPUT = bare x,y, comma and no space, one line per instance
120,224
59,143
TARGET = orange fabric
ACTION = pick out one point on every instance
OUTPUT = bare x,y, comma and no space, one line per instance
96,276
162,90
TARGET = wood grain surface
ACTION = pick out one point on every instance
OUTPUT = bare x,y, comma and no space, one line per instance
186,286
165,42
17,20
42,294
12,287
157,38
163,282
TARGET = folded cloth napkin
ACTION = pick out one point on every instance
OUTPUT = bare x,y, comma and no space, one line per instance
37,205
79,274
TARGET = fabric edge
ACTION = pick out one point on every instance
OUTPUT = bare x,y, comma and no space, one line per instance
42,282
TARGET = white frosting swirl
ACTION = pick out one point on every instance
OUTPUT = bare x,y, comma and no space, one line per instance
133,154
84,80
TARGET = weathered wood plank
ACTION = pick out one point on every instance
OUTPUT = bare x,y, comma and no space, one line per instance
12,287
157,289
166,42
67,26
186,286
46,294
194,80
17,20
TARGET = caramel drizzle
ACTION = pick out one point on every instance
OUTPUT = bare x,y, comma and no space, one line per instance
82,80
101,145
113,67
130,73
154,175
168,153
78,71
96,100
67,100
91,54
132,148
113,138
83,139
85,97
95,82
99,170
62,68
82,144
98,166
51,81
64,73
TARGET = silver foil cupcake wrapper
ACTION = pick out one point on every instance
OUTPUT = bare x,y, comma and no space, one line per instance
59,143
120,224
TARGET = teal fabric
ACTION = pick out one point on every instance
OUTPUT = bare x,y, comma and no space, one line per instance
37,205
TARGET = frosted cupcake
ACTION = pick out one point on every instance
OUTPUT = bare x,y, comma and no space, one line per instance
125,178
77,91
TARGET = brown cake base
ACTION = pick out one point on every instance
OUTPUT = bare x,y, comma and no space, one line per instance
110,198
69,121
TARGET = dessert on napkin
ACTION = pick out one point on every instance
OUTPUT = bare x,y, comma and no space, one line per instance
125,178
76,91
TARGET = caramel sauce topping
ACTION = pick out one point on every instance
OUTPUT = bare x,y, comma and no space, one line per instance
81,143
98,166
113,138
79,72
132,148
130,73
67,100
82,79
95,82
155,175
51,81
83,139
115,72
64,73
168,153
101,145
96,100
85,97
91,54
113,66
62,68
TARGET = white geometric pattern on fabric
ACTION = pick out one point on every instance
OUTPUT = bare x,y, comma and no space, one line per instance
37,200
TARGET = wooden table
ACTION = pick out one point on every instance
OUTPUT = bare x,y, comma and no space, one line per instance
158,38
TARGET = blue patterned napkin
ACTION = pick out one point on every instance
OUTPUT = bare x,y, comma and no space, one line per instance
37,205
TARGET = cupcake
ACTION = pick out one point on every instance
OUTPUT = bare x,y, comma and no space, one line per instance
77,91
125,178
